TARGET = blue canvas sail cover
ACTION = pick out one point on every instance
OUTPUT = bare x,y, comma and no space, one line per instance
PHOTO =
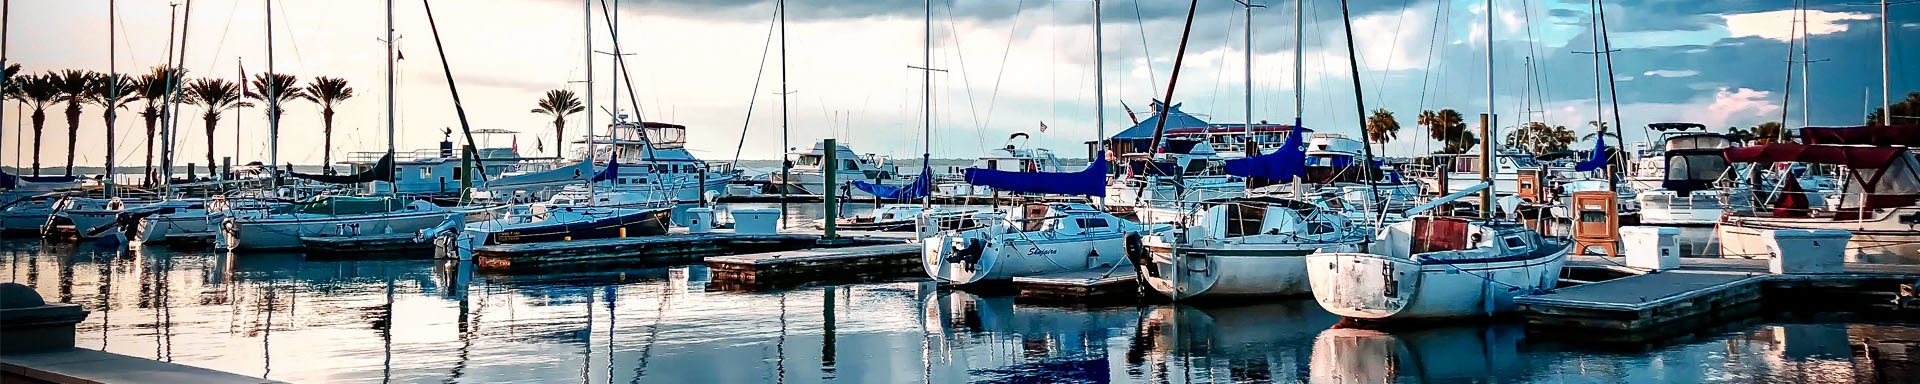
612,170
1091,181
10,181
920,187
1596,160
1285,163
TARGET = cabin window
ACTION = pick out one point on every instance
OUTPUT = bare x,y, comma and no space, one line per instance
1091,223
1514,242
850,164
426,172
457,173
809,160
993,164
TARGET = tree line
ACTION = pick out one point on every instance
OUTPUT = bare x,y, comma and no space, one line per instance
78,89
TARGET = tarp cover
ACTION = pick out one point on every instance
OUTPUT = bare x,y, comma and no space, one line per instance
576,173
1854,157
381,171
612,170
1907,135
1285,163
1091,181
920,186
348,205
1596,160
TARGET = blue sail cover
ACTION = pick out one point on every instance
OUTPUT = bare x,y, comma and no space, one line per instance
920,187
1595,161
1091,181
10,181
612,170
1285,163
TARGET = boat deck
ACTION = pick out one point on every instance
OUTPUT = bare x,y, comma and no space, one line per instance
1700,292
788,268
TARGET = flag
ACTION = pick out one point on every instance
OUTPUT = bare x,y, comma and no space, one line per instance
540,146
516,145
1043,127
1130,115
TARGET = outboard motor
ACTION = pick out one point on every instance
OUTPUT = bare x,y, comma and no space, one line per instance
967,252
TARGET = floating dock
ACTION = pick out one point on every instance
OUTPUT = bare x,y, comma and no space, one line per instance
1703,291
1090,287
380,246
837,265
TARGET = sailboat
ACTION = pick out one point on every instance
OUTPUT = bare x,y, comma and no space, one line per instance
333,216
1432,267
1037,238
1879,201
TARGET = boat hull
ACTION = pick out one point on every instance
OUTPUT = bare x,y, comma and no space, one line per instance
184,227
1218,272
1372,287
1883,239
92,224
284,233
947,258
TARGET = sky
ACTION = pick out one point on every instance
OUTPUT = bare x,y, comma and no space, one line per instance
1003,66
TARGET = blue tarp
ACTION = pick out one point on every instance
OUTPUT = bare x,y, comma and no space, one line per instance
612,170
920,186
1285,163
1091,181
1596,160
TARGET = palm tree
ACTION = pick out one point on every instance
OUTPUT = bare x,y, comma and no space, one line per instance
559,103
1447,126
113,93
74,86
1538,138
39,93
283,87
215,95
153,87
12,71
328,92
1741,135
1772,132
1904,111
1381,127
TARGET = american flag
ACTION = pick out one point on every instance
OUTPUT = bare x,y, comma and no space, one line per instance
1043,126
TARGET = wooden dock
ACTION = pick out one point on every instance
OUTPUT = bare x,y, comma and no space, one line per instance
772,270
647,250
1090,287
1702,292
379,246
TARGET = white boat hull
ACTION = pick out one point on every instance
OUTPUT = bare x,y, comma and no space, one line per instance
24,221
1882,239
1271,270
1373,287
1013,255
175,227
283,233
85,222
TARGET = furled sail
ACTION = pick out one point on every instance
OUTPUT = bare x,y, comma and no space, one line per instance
1091,181
920,187
1285,163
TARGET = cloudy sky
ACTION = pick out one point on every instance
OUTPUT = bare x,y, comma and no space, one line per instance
1010,65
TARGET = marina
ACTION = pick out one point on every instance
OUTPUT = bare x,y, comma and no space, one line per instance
909,224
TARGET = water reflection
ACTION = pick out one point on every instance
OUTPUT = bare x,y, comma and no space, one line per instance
282,317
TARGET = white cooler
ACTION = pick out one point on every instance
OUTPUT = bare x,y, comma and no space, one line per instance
699,220
1656,248
756,221
1806,250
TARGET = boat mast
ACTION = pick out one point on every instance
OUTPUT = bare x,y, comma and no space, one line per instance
177,77
1360,108
926,112
113,89
1299,60
1886,104
586,24
393,186
1099,94
786,164
1252,149
1492,123
6,8
1613,93
273,108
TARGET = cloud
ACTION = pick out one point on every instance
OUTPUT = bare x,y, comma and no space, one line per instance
1739,107
1671,73
1777,25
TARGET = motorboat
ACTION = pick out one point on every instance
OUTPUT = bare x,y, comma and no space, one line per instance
549,222
1443,174
1437,268
1688,164
1246,246
1160,188
808,174
907,217
649,158
1010,158
1879,201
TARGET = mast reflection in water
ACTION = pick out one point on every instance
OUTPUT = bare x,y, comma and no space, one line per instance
283,317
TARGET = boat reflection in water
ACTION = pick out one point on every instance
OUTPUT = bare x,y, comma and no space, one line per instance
1259,342
1454,354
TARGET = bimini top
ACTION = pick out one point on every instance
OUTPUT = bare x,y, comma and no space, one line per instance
1905,135
1853,157
1663,127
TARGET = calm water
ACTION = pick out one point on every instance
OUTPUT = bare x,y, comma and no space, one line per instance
282,317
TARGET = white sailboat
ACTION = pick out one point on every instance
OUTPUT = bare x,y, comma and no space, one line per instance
1037,239
1879,201
1249,246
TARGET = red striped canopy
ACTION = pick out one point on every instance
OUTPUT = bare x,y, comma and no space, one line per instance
1905,135
1854,157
